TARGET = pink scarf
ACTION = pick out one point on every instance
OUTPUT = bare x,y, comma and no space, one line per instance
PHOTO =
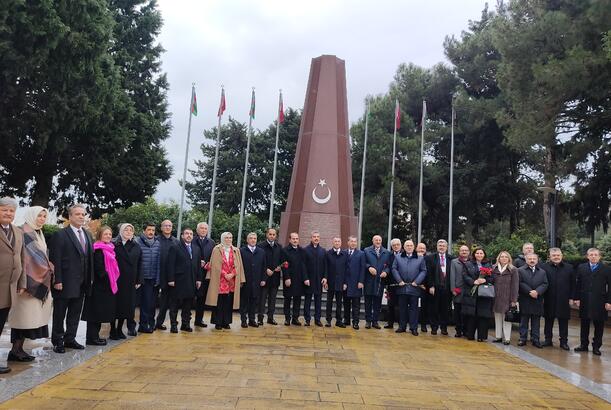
110,263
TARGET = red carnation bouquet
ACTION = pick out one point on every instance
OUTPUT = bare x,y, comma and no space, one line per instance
484,273
285,265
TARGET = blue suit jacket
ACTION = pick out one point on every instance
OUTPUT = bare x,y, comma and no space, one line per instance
355,273
373,285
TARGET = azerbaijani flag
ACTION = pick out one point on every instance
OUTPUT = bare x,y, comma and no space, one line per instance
397,114
193,103
280,110
222,106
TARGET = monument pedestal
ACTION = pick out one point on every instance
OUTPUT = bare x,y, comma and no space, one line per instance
320,195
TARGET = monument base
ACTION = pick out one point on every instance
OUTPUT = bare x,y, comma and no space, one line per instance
329,225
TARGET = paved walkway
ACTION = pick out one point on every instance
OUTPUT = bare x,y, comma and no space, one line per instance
282,367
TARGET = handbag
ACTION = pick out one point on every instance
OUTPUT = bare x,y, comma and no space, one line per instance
513,315
485,291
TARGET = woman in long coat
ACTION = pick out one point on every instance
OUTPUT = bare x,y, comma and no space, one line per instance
476,309
129,258
226,276
31,310
100,303
506,287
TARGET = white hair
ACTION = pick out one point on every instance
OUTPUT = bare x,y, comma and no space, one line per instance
8,202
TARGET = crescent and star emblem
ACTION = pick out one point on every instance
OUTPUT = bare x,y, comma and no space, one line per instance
316,198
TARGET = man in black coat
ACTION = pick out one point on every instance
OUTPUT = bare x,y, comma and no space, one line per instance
184,278
389,281
71,253
593,297
166,241
558,297
205,245
253,259
439,298
293,274
313,281
274,257
335,281
533,285
527,248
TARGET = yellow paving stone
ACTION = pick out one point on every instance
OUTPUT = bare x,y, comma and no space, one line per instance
248,392
336,379
300,395
341,397
178,389
124,387
249,403
359,388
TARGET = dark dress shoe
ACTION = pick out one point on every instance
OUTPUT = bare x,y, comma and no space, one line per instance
355,326
13,357
161,327
564,346
318,323
286,323
121,335
506,343
4,370
96,342
145,330
423,329
328,324
458,334
389,326
306,323
522,343
596,351
200,324
470,338
226,327
59,349
271,322
253,324
296,322
497,340
244,324
581,349
218,327
538,345
173,329
186,328
132,332
340,324
260,322
113,336
444,332
414,332
74,345
399,330
367,325
547,343
375,325
434,332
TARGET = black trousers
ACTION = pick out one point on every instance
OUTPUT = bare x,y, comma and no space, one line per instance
392,306
352,307
563,327
408,311
148,291
249,304
93,330
458,318
3,317
200,301
338,295
599,327
185,311
439,308
535,324
268,294
68,310
307,304
291,312
164,305
423,315
473,323
222,315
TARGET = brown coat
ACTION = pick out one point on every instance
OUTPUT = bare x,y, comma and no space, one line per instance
506,286
11,267
214,274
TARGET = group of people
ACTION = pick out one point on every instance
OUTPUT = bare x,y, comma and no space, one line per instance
100,280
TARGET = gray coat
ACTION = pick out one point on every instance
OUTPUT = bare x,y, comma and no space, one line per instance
409,269
530,280
457,268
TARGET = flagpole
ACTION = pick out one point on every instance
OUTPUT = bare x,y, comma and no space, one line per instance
242,205
216,160
392,177
271,205
451,180
421,172
360,230
184,171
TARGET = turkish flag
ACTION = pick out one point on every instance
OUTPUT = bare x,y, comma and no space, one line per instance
397,115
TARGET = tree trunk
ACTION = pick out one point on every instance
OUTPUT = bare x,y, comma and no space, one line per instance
549,178
41,194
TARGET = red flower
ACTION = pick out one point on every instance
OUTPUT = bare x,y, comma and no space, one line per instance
285,265
457,291
483,271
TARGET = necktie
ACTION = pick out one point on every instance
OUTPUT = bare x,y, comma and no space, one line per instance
81,239
9,234
378,252
350,252
443,265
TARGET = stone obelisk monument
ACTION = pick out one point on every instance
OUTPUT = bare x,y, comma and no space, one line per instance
320,196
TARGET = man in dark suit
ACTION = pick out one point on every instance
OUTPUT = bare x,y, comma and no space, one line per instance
395,250
253,259
166,241
334,281
293,273
593,298
184,278
520,261
354,279
558,297
533,285
438,282
12,278
71,253
205,245
377,263
313,280
274,257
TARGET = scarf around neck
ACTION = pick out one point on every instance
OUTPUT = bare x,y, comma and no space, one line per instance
110,263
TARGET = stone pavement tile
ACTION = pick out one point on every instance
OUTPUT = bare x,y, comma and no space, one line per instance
300,395
341,397
212,381
355,406
293,386
247,392
124,386
336,379
26,403
428,401
43,392
248,403
161,399
360,389
178,389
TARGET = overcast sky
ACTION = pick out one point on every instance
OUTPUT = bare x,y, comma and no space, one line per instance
269,45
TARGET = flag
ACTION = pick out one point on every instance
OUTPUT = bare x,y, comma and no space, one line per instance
397,115
280,110
222,106
252,105
193,103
